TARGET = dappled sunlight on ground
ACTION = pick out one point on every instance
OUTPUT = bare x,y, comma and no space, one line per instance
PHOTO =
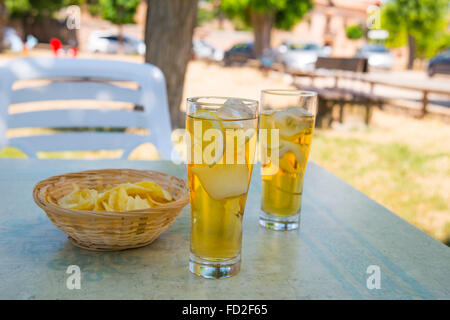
244,82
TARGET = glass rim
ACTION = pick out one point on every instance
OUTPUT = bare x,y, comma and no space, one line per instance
195,100
290,92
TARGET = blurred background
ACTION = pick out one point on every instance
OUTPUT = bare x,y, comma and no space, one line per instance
381,69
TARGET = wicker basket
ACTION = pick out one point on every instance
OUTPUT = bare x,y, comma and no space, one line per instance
110,231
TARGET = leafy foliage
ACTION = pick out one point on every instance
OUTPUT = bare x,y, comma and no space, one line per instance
354,32
119,11
287,12
205,15
443,42
37,8
425,20
94,7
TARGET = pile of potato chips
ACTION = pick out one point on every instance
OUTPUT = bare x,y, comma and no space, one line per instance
123,197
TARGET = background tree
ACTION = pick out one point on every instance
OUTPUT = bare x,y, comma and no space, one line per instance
419,23
263,15
38,17
119,12
93,7
354,32
36,8
3,20
208,13
168,38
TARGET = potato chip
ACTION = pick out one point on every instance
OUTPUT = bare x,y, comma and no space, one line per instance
159,193
123,197
137,203
154,202
79,199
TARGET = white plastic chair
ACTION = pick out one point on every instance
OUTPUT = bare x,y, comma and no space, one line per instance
151,96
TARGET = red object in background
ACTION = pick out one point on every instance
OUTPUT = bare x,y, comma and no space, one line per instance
58,50
55,45
72,52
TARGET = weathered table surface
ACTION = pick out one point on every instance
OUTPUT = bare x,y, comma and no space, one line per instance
342,233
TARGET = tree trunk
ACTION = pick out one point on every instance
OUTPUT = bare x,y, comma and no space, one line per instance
411,51
220,14
221,18
3,17
262,23
168,38
120,48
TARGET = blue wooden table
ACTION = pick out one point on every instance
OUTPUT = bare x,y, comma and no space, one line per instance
345,238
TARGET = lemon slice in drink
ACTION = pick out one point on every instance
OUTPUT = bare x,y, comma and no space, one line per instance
292,121
295,148
209,120
223,181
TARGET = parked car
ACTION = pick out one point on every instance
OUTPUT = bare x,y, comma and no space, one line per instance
106,42
440,64
298,56
377,56
203,50
240,53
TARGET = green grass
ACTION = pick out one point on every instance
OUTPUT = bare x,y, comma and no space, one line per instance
392,174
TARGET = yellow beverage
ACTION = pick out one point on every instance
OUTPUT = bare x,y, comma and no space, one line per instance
218,189
282,191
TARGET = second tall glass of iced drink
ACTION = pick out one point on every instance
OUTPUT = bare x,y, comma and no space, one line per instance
286,128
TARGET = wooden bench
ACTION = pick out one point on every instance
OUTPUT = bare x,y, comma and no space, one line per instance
345,64
331,97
